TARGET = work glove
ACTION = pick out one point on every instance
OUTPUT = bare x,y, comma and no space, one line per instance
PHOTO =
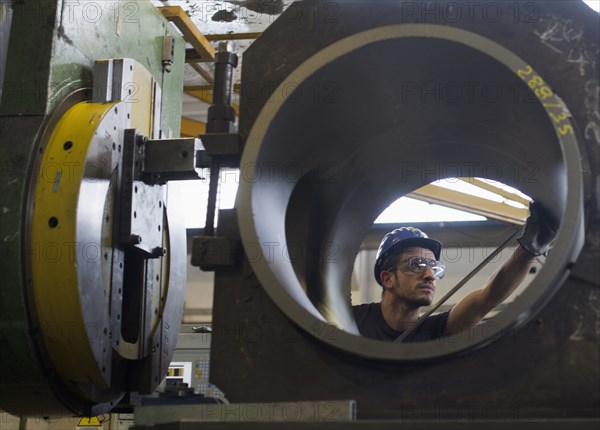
539,231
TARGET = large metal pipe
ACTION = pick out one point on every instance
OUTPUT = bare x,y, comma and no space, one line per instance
369,101
459,107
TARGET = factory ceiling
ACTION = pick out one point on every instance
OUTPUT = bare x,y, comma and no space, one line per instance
240,21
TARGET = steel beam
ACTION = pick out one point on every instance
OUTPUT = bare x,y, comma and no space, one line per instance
232,36
192,128
470,203
190,32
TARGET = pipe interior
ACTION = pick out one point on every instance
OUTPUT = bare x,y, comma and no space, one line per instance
373,125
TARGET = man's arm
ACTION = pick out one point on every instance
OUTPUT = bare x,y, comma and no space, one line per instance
537,235
475,305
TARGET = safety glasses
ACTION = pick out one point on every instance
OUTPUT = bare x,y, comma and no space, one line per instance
420,264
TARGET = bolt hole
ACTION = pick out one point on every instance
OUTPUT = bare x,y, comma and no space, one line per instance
67,145
107,218
134,214
53,222
157,278
135,189
116,111
106,256
184,154
120,265
160,204
128,116
119,148
159,228
119,291
114,146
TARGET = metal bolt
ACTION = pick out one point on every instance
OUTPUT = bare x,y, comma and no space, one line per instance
135,239
159,251
141,140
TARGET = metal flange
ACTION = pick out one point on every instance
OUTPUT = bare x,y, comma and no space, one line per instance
107,310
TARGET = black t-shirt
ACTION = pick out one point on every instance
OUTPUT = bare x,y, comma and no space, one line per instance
370,322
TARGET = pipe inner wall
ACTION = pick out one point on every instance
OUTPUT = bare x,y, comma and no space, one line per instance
375,116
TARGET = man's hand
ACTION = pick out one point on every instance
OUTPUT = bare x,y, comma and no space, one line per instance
539,231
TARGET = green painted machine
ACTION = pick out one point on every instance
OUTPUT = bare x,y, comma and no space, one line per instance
93,254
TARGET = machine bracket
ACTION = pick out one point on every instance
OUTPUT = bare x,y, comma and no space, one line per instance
143,233
169,159
226,147
215,252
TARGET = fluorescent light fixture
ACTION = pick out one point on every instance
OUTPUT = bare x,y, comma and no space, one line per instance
507,188
407,210
456,184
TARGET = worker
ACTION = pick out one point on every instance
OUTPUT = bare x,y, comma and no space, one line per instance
408,266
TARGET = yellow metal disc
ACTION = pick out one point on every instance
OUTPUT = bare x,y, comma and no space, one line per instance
73,343
107,317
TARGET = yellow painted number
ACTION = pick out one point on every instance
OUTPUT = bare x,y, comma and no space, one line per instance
558,118
565,129
525,72
543,92
536,81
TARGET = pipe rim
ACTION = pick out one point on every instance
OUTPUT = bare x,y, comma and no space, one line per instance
570,236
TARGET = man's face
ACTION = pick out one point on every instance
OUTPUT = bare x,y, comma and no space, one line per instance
416,289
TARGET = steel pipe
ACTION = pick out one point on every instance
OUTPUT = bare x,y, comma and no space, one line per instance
367,102
423,102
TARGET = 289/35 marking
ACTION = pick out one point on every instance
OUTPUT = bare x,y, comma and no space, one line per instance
544,92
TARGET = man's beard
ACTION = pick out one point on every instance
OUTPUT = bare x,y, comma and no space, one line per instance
414,301
421,302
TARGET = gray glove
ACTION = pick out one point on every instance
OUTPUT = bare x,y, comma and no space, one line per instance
540,230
